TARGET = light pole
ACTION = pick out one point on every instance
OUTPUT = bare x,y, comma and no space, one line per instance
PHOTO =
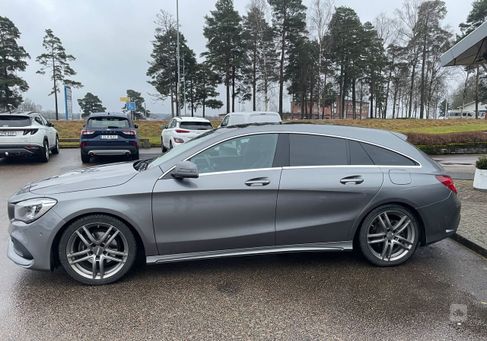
178,86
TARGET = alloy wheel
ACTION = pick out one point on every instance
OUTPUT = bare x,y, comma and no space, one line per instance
97,251
391,235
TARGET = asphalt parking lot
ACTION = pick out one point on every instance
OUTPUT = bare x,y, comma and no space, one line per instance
441,293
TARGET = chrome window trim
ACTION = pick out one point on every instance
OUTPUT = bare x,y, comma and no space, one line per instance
419,165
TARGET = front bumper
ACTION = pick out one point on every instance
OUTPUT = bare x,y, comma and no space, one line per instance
19,150
30,245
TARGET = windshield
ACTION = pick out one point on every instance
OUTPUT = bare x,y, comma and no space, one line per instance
105,122
175,152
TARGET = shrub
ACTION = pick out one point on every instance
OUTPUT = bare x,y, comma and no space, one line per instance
481,162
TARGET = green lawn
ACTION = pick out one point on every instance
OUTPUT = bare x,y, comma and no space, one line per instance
152,129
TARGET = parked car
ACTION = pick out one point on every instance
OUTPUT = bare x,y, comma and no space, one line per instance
27,134
109,134
241,118
238,191
182,129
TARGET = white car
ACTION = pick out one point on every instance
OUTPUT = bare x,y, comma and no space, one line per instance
183,129
239,118
27,134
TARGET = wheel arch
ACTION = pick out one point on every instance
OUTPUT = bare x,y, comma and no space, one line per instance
55,243
407,205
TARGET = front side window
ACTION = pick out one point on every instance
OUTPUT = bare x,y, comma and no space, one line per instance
248,152
314,150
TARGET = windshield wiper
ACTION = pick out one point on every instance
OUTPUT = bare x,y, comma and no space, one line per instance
141,165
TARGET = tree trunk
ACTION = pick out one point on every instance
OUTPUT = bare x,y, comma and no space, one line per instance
55,86
372,99
423,82
254,78
413,74
477,93
233,88
354,103
281,70
227,83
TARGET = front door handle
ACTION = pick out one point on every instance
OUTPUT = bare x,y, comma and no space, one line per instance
354,179
258,182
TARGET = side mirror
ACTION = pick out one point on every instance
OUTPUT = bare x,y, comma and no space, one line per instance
136,126
185,170
49,124
163,126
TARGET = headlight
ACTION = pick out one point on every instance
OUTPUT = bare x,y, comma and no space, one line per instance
32,209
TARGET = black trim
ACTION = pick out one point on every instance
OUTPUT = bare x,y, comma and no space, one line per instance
281,157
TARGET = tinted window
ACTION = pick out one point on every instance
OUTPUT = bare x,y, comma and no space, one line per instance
196,125
108,122
309,150
358,156
14,121
249,152
385,157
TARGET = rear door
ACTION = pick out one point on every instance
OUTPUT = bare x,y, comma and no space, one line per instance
321,193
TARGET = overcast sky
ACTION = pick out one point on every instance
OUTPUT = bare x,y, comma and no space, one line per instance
111,39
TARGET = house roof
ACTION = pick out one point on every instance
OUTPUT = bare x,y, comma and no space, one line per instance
470,51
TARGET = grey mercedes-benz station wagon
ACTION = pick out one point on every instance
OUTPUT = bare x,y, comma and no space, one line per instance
238,191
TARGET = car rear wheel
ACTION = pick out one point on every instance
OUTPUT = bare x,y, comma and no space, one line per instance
85,158
389,235
164,149
97,249
44,156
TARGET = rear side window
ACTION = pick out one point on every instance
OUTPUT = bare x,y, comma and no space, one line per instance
358,155
311,150
385,157
108,122
14,121
196,125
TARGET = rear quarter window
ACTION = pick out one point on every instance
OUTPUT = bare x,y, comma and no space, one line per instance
14,121
196,125
384,157
314,150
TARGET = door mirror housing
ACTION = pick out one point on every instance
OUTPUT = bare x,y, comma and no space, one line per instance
185,170
49,124
163,126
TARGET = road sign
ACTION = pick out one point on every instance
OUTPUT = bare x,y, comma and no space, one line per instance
124,99
68,102
131,106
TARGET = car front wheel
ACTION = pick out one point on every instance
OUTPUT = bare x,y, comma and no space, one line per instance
389,235
44,156
97,249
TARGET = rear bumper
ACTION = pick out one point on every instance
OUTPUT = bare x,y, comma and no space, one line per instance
441,219
109,150
20,150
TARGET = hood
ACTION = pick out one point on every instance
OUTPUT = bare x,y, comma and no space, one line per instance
85,179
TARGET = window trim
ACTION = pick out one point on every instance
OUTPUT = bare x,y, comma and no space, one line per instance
419,165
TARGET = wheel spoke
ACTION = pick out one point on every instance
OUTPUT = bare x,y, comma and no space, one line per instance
115,252
83,239
93,268
383,224
112,238
391,246
401,245
375,235
79,253
80,259
402,227
105,235
102,267
89,235
388,221
377,241
384,251
399,223
113,259
404,240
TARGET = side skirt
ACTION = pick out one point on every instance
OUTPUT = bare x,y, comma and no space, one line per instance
314,247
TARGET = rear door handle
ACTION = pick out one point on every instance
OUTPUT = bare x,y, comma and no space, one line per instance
355,179
258,182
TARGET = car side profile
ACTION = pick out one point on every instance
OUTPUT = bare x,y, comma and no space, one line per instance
107,134
27,134
182,129
238,191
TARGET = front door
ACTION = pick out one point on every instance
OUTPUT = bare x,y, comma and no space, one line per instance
230,206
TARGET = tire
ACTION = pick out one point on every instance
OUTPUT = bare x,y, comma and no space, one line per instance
97,249
164,149
135,156
389,235
170,145
85,158
55,150
44,156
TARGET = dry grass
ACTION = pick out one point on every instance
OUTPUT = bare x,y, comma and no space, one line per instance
419,131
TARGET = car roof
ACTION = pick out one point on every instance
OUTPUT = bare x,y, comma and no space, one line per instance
191,119
108,114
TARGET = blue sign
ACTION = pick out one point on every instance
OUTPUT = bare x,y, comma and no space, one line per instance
68,102
131,106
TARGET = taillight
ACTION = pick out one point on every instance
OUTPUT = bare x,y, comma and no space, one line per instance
447,181
130,132
30,131
87,132
83,144
182,131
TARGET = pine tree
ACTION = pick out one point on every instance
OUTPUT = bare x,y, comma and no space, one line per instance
476,17
56,60
12,60
90,104
289,22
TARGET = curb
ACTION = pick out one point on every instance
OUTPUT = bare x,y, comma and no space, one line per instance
470,244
